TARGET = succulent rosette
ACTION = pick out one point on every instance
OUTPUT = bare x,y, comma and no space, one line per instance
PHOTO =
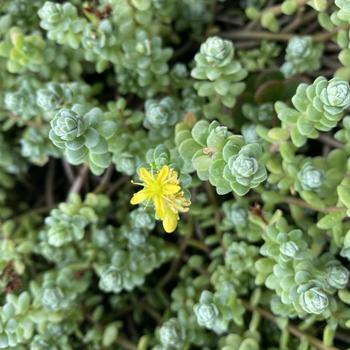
244,170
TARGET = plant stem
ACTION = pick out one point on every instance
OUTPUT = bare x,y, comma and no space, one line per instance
300,203
49,196
199,245
300,20
68,171
151,312
263,35
40,210
79,181
117,184
343,337
105,180
330,141
258,35
291,328
174,267
21,121
126,344
214,202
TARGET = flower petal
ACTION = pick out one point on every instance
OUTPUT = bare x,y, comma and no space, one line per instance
170,222
170,189
159,207
146,176
163,173
139,197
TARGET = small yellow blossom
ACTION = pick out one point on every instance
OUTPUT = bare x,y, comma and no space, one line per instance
164,190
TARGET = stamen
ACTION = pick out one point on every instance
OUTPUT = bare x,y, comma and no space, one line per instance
137,183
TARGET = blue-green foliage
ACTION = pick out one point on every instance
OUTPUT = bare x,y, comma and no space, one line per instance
247,101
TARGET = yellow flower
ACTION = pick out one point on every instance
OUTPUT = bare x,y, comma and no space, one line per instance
164,190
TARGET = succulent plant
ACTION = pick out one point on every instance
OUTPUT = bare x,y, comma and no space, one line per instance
337,275
314,300
23,52
237,160
301,55
161,114
310,177
62,23
16,326
83,135
219,73
243,170
317,107
206,311
171,334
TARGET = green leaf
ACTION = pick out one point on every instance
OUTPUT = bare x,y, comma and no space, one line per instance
232,146
110,334
216,171
200,132
96,170
298,139
222,87
181,136
272,198
188,148
330,220
238,188
76,157
278,134
217,138
344,194
287,151
313,199
202,163
91,138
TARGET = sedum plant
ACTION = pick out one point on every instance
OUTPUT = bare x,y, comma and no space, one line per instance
174,175
301,55
218,72
318,107
83,135
220,157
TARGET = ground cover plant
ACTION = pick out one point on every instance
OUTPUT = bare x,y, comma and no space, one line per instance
174,174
